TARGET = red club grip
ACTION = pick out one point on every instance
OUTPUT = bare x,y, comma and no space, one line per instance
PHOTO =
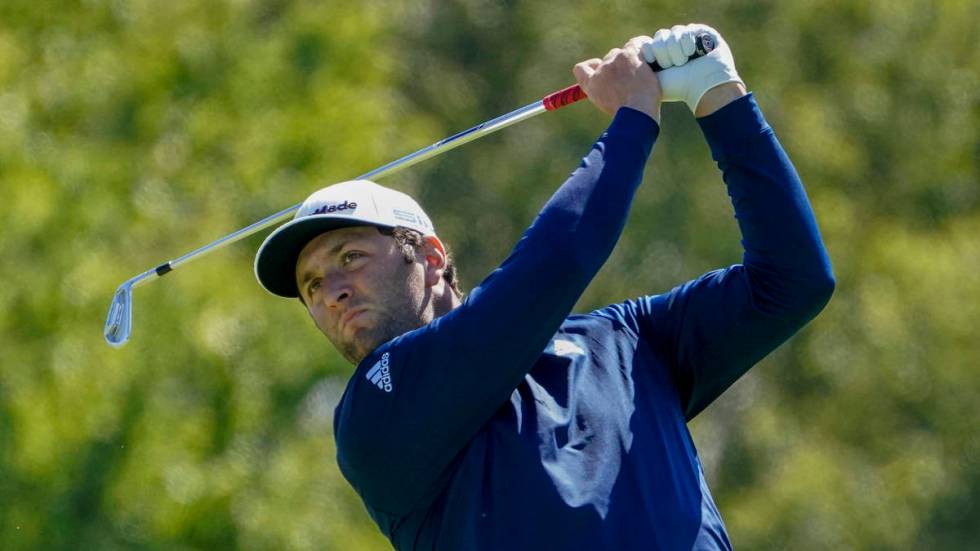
563,97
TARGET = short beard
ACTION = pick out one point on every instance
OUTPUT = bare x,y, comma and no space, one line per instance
402,314
368,339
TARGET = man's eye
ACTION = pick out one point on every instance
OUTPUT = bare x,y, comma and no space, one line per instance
314,286
351,256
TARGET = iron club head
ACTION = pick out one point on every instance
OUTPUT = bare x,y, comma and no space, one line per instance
119,322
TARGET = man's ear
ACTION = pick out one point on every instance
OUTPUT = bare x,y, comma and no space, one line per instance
434,259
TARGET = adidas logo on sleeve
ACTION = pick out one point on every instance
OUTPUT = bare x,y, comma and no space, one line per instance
379,375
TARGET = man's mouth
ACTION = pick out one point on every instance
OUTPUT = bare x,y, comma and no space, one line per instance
350,315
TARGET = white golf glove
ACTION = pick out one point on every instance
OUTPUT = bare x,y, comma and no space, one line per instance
683,80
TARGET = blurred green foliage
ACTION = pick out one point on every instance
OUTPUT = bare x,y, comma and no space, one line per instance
132,131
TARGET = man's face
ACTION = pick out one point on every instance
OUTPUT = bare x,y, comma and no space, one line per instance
359,289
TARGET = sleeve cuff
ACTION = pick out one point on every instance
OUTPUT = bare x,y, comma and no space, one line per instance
634,125
732,128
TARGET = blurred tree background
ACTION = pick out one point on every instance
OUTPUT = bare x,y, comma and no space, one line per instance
132,131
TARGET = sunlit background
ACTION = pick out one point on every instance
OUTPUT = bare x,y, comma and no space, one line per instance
132,131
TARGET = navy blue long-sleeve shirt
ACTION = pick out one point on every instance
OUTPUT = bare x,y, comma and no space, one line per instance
510,424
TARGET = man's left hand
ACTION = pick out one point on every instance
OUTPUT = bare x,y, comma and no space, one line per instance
690,80
621,79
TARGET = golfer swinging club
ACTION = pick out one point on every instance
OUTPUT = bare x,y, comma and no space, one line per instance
498,421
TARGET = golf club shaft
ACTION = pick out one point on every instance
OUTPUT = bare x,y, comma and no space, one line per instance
119,320
118,323
551,102
411,159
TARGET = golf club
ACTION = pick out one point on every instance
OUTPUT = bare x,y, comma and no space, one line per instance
119,322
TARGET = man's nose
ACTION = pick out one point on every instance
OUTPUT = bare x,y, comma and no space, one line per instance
338,293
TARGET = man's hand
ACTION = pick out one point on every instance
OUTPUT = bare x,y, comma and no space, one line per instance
621,79
690,80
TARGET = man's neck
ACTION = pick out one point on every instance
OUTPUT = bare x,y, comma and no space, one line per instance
445,302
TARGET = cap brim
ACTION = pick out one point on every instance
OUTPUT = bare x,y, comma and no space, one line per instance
275,262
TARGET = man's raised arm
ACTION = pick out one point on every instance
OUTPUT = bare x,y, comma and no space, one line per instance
715,328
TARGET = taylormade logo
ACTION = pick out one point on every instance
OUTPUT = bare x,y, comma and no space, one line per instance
328,209
379,375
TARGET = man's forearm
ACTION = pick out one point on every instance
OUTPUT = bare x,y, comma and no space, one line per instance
779,230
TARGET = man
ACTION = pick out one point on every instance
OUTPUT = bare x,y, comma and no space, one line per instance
501,422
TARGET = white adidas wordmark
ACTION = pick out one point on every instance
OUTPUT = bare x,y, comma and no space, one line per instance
379,375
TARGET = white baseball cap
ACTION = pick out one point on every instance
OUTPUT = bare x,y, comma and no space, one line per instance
352,203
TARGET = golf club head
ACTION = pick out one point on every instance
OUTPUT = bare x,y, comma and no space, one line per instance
119,323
